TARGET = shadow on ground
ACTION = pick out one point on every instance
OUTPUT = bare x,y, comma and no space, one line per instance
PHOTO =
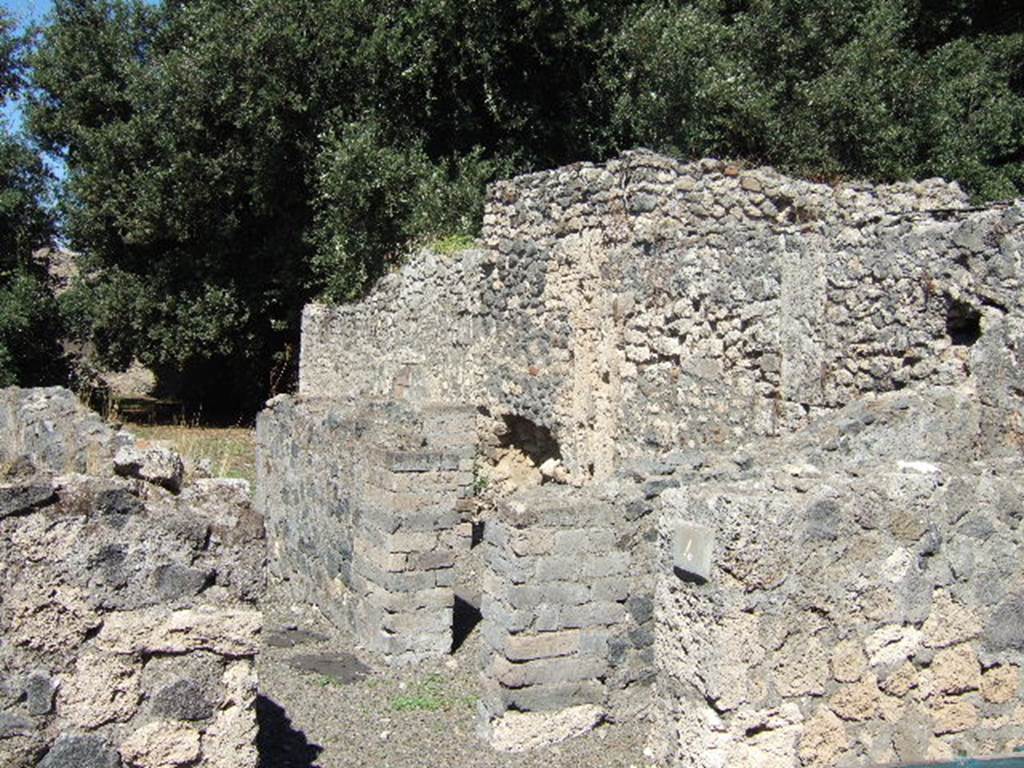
279,744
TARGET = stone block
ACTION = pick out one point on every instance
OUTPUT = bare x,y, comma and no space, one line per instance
566,669
160,466
593,614
552,697
430,561
613,589
13,724
562,568
611,564
438,621
181,699
530,541
587,540
39,689
412,541
493,610
162,744
81,752
525,647
405,602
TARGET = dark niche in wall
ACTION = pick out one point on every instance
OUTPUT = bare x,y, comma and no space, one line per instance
963,323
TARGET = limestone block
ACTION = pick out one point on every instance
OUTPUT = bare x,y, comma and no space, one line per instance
823,740
802,667
104,688
226,631
523,647
892,645
162,744
1000,684
859,701
956,670
157,465
954,716
230,741
848,661
524,731
949,623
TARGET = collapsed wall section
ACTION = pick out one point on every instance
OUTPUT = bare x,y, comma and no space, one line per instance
128,612
51,428
362,505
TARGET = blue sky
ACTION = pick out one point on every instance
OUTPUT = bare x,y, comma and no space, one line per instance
27,10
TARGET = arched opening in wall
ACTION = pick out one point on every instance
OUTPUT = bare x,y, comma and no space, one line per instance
525,454
963,323
533,440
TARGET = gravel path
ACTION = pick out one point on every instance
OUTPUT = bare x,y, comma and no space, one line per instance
314,714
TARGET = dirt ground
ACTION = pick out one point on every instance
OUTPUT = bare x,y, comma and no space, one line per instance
322,707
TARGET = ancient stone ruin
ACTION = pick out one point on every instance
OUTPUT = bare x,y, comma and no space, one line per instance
701,447
734,453
128,618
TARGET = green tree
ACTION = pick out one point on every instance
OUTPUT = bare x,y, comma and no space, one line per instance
883,89
229,160
29,321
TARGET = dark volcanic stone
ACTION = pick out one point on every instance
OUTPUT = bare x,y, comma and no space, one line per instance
340,667
81,752
182,700
14,725
1005,629
289,638
39,692
18,498
176,581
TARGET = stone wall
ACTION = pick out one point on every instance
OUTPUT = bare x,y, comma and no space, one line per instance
808,368
567,606
127,611
646,305
862,607
362,504
50,427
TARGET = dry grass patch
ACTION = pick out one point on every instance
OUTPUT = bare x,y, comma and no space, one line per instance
231,451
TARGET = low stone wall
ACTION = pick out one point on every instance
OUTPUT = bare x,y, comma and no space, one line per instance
50,427
362,506
128,612
567,609
864,614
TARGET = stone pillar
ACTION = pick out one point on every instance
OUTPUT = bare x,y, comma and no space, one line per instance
403,555
566,617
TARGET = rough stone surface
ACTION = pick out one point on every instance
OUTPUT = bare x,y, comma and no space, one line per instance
523,731
81,752
155,464
127,611
367,532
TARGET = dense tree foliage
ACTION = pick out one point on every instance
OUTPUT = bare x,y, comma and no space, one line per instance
884,89
229,159
29,324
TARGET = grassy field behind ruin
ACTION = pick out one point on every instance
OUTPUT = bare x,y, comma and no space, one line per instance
231,451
